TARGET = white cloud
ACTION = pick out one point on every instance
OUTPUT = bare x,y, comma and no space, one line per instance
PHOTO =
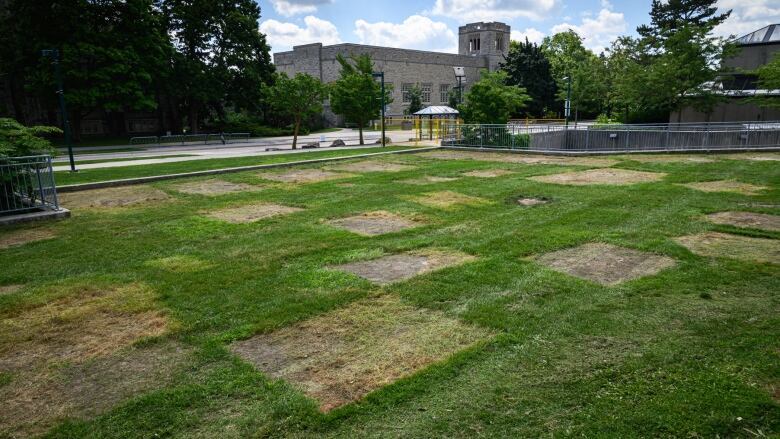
283,36
416,32
747,16
532,34
465,11
598,32
288,8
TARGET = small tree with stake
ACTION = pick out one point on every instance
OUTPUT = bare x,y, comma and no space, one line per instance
298,98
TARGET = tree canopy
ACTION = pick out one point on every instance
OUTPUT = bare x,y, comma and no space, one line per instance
491,101
299,97
356,94
527,66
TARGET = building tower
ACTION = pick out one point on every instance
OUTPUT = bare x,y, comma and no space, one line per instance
490,40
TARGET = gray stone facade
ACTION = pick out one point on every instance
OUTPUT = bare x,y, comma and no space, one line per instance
480,46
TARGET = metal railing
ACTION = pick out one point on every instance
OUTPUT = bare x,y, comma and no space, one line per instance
27,184
182,139
617,138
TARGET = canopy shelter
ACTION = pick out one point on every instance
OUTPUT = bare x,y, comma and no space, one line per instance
435,115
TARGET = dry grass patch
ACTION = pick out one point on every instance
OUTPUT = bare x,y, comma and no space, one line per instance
214,187
531,201
651,158
400,267
747,219
179,264
112,197
605,263
374,223
726,186
724,245
24,236
487,173
520,158
372,166
617,177
341,356
86,323
763,157
428,179
9,289
447,200
252,212
35,401
304,176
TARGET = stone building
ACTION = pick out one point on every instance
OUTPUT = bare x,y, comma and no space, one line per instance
480,46
741,83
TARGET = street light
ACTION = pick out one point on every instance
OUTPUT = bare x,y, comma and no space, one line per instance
54,55
381,76
460,76
567,106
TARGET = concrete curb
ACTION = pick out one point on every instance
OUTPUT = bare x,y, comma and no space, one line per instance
153,178
44,215
599,153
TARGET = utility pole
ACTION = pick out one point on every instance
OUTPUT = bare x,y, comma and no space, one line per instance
567,107
54,55
381,76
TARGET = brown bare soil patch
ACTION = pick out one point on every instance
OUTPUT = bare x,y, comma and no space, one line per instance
447,200
747,219
428,179
400,267
86,323
214,187
372,166
520,158
179,264
252,212
341,356
112,197
605,263
35,401
24,236
374,223
617,177
763,157
651,158
487,173
531,201
9,289
304,176
724,245
725,186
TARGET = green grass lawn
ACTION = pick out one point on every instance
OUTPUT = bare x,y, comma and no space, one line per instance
91,161
93,175
692,351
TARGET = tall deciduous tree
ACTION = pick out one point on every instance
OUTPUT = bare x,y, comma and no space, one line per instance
415,100
491,101
527,66
769,79
356,95
299,98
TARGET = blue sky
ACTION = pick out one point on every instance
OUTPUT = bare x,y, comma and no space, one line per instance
433,24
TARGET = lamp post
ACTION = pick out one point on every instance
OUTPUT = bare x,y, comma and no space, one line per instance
54,55
567,106
381,76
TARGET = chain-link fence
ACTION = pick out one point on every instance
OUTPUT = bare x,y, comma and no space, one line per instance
27,185
616,138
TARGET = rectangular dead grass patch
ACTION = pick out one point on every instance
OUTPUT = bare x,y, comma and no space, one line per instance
35,401
763,157
374,223
605,263
725,186
747,219
214,187
526,159
24,236
672,158
112,197
372,166
179,264
252,212
10,289
487,173
447,200
724,245
403,266
85,323
304,176
341,356
611,176
428,179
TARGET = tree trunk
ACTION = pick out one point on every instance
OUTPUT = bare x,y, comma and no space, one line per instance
17,99
295,132
360,128
193,117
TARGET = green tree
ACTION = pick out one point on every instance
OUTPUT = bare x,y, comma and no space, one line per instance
356,95
527,66
769,79
299,98
415,100
491,101
17,140
670,16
